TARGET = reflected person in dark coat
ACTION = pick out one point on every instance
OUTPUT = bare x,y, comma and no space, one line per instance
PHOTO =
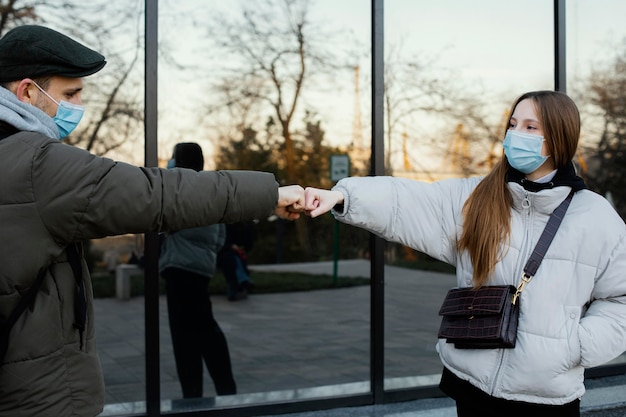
187,263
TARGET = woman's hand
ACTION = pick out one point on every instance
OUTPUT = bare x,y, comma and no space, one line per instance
318,201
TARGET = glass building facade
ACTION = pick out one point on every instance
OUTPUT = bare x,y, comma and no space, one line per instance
418,89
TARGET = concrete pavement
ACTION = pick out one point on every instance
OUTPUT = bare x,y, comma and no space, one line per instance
302,345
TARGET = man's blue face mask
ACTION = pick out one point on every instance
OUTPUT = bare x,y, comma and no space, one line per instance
171,163
68,115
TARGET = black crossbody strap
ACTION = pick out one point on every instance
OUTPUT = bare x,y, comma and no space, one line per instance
80,297
80,302
25,301
543,244
546,237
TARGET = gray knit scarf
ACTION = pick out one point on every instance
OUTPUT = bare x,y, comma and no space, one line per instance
25,117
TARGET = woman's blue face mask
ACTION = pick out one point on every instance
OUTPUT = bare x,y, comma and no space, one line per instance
523,151
68,115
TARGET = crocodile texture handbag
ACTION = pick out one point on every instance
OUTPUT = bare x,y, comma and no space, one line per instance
487,317
480,318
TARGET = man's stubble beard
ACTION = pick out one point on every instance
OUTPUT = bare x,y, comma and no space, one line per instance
43,104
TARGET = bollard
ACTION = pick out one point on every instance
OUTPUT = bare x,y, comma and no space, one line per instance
122,280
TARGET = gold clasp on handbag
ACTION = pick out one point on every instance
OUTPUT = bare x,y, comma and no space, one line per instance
525,280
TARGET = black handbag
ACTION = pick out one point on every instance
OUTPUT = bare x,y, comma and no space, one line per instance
481,318
487,317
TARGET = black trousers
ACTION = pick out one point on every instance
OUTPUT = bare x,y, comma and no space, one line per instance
196,336
472,402
516,409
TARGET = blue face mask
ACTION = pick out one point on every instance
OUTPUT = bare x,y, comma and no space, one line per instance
171,163
523,151
68,115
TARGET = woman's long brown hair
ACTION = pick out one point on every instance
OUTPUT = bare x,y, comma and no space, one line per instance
487,211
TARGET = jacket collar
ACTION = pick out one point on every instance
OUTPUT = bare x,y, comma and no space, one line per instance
543,197
565,176
25,117
6,130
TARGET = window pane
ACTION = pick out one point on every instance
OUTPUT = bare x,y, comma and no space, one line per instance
452,70
245,98
596,73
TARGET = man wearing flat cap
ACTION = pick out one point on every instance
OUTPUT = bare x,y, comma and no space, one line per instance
55,196
43,68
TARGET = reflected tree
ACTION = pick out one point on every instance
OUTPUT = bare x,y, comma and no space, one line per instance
276,52
273,53
410,90
249,152
15,12
606,92
114,113
418,92
277,240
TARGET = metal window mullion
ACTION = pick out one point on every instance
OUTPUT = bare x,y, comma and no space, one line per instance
377,278
151,254
560,80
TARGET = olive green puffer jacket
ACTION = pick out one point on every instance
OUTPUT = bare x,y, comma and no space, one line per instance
53,195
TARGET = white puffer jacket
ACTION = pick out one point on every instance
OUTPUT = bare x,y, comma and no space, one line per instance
573,312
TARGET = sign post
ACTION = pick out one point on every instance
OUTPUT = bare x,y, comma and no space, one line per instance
339,168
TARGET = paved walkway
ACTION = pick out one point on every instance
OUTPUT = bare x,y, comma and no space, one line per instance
299,345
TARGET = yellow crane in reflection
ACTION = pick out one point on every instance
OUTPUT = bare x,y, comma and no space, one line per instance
457,157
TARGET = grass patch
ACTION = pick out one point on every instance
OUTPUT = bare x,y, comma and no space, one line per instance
264,282
274,282
426,265
269,282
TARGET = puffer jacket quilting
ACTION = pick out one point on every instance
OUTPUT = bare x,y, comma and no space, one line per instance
573,312
54,195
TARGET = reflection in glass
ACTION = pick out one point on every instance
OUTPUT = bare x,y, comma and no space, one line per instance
120,321
596,50
253,106
452,70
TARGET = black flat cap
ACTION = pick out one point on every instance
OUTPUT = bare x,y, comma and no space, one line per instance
32,51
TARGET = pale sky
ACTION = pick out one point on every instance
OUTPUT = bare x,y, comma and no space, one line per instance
504,47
